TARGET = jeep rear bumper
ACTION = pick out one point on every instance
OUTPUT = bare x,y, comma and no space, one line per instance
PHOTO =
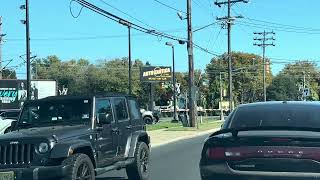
39,172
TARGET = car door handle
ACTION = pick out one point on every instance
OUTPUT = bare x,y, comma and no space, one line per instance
129,127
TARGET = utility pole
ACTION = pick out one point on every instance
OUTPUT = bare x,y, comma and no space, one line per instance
192,104
1,41
130,61
221,96
26,22
28,51
128,24
263,43
229,21
304,85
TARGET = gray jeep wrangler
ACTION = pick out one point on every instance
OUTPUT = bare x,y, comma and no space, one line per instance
73,138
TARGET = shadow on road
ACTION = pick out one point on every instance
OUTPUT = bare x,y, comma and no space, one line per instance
111,178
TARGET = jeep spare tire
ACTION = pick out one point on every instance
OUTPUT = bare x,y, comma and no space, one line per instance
81,167
139,169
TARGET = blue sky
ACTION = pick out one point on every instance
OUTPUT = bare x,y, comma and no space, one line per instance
52,20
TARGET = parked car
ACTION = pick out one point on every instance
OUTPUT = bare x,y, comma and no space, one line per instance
5,125
149,117
10,113
76,138
271,140
6,119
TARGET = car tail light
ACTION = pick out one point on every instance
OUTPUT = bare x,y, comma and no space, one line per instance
217,153
220,153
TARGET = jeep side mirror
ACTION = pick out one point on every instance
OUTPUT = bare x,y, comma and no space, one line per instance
104,118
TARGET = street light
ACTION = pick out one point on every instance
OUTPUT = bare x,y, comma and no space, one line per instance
174,84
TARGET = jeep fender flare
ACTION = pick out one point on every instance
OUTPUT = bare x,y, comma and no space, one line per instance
133,140
65,149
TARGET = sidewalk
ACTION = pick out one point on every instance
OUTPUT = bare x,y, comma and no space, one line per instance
162,136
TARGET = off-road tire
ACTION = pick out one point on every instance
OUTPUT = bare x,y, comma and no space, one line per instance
139,169
79,162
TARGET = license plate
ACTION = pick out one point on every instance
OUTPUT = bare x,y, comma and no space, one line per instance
7,175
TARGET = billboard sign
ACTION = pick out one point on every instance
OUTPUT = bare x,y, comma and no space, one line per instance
14,92
155,74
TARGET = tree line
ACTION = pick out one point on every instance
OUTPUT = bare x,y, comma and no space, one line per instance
82,77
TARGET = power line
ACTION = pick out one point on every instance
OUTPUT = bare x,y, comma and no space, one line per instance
128,23
91,37
284,25
202,6
108,4
170,7
205,50
70,9
277,28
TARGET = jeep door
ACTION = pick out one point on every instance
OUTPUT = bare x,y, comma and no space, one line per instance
123,123
107,138
136,119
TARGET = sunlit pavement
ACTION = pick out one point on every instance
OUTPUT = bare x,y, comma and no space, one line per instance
175,161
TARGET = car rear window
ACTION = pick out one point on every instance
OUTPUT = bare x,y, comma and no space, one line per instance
278,115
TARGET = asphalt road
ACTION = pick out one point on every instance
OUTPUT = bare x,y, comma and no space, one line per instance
175,161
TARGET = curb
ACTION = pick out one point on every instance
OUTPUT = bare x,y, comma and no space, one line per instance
183,138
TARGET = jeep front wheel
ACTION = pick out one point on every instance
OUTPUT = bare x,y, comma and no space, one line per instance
81,167
139,169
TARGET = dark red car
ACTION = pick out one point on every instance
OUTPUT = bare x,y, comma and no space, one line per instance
271,140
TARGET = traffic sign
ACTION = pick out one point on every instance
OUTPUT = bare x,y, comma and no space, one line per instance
306,92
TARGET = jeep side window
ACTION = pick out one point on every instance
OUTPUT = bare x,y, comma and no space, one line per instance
121,108
103,106
134,109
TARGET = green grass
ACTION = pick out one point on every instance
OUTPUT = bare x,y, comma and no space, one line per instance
202,127
206,125
163,125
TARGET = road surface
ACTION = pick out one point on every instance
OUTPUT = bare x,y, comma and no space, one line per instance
175,161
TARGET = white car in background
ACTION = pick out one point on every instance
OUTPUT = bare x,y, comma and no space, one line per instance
149,117
5,125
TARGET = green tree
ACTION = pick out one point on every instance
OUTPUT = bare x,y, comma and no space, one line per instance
296,76
9,74
283,88
247,78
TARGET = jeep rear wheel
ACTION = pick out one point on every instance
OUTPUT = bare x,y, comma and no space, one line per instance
139,169
81,167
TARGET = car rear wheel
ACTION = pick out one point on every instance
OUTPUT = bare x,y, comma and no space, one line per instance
148,120
81,167
139,169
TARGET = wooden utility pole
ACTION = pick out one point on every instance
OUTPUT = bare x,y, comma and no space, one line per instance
1,41
263,43
191,91
229,20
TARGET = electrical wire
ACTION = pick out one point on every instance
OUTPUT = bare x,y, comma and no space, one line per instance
276,28
129,24
170,7
70,9
216,39
91,37
108,4
284,25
